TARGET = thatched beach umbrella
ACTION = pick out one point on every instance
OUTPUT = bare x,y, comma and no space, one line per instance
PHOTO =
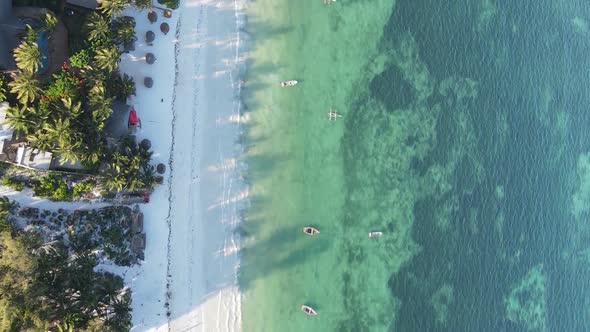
164,27
167,13
161,168
159,179
145,144
150,36
150,58
152,16
148,82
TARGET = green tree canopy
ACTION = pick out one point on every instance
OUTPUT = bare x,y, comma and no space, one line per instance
112,7
25,86
48,22
107,58
97,27
19,119
28,57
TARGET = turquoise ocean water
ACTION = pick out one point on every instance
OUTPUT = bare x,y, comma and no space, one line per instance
464,139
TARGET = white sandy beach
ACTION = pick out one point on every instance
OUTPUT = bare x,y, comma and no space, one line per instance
188,281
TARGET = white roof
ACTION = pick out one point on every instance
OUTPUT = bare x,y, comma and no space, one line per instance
29,157
5,130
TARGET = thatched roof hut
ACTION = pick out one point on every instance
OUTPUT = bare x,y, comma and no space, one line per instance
148,82
150,36
150,58
161,168
145,143
152,16
165,28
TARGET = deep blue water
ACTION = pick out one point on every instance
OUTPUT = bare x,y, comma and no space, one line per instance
528,145
42,40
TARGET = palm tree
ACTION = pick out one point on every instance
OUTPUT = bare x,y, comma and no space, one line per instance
127,87
141,4
69,109
3,85
112,7
28,57
6,207
39,116
112,181
48,22
19,119
93,150
97,27
121,314
29,35
65,327
25,86
41,141
60,131
101,110
67,154
107,58
123,30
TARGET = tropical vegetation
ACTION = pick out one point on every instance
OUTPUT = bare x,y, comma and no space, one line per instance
170,3
48,277
143,4
65,112
28,57
48,286
111,8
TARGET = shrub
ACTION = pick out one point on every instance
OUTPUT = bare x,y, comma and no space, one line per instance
14,184
121,87
53,187
143,4
48,22
65,85
123,30
170,3
80,59
3,86
29,35
82,188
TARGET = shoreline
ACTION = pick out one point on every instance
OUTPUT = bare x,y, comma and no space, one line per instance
188,280
153,105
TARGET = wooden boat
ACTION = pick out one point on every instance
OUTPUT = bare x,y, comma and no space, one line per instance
308,310
289,83
310,231
375,234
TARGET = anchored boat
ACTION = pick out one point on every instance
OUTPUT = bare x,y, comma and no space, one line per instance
375,234
310,230
308,310
289,83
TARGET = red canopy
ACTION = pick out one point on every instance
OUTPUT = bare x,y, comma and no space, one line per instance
133,118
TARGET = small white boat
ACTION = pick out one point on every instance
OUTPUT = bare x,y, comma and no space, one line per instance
375,234
308,310
310,230
289,83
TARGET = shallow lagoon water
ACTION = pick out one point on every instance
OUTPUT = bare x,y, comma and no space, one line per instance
463,140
